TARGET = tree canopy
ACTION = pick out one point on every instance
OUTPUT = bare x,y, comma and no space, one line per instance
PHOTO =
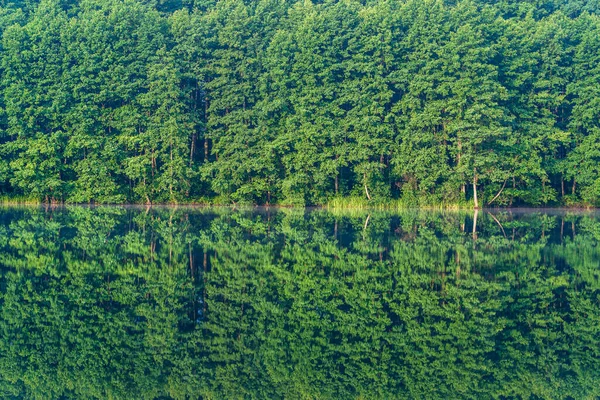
301,102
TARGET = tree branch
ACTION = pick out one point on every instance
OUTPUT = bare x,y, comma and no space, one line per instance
498,194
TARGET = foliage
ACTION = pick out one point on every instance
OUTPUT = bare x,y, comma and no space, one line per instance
406,102
213,303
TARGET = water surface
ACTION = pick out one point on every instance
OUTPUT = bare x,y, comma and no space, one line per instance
124,303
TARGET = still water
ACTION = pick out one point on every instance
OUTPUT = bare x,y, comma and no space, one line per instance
128,303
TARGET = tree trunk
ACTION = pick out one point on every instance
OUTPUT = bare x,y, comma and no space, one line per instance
205,129
205,149
192,149
337,173
475,189
499,193
366,188
463,187
171,170
512,195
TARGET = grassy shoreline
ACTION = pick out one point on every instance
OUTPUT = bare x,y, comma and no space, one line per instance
18,201
339,203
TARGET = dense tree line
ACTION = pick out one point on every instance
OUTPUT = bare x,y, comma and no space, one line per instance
127,303
296,102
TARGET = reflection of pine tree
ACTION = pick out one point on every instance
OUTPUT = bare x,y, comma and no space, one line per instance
135,303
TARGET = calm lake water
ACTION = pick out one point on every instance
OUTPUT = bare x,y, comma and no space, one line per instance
130,303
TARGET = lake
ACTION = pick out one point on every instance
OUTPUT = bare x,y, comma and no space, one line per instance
126,302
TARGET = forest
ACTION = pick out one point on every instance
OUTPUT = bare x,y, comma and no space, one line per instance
175,303
410,102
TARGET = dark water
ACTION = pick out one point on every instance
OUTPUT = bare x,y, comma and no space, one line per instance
128,303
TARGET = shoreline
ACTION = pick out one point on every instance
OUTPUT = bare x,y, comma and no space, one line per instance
374,207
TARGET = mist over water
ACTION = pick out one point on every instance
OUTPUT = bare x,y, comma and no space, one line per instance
126,302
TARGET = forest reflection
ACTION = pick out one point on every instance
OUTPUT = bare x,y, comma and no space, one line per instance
118,302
